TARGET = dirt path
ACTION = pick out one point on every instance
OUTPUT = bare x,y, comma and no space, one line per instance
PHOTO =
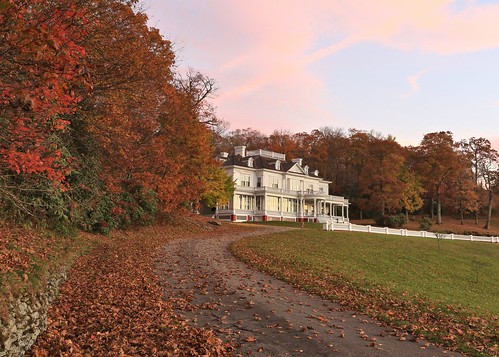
264,316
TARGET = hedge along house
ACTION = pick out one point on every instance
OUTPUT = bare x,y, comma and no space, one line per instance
267,187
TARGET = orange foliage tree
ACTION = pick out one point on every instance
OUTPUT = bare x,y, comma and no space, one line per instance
89,101
41,74
151,125
437,163
484,161
379,180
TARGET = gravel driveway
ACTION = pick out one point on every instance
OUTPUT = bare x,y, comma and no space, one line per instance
264,316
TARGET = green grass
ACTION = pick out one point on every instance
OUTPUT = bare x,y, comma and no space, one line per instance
310,225
458,280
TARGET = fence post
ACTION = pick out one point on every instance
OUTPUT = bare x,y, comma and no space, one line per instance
368,229
350,227
471,238
452,236
424,234
386,230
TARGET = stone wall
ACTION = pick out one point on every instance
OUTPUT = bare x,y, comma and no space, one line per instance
27,318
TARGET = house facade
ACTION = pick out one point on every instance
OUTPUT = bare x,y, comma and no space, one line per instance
267,187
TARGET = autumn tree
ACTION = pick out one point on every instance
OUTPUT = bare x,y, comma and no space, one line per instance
303,142
379,180
483,160
41,74
355,160
91,104
436,163
199,88
463,195
282,141
412,193
219,187
251,138
490,180
328,148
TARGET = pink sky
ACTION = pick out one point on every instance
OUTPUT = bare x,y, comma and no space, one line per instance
301,65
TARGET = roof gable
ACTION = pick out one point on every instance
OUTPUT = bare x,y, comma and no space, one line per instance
296,169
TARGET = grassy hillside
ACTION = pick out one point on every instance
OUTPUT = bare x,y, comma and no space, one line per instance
447,292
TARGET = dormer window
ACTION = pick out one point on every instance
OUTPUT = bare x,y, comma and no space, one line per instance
250,162
306,169
278,165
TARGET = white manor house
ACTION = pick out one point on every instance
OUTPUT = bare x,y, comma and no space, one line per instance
267,187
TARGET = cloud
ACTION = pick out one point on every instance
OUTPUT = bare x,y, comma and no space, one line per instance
263,53
433,26
414,83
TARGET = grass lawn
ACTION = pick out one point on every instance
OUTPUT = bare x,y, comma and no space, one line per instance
311,225
445,290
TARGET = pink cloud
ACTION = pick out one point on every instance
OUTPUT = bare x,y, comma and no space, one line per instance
283,44
413,81
262,53
424,25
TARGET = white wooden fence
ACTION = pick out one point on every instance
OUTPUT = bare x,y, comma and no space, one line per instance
332,226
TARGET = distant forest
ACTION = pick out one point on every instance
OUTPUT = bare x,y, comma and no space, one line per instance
381,177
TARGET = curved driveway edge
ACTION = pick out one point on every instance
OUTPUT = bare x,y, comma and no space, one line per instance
265,316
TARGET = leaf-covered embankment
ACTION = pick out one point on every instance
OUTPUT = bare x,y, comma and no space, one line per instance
112,302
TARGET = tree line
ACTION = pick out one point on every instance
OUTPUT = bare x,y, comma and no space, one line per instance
382,177
97,129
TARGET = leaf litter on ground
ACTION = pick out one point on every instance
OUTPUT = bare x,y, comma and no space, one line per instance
112,302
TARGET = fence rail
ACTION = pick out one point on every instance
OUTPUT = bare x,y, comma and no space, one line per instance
332,226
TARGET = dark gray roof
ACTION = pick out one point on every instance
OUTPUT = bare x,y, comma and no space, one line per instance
260,162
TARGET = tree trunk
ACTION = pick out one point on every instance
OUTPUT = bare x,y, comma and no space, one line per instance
432,214
406,215
476,217
439,209
360,214
489,210
461,215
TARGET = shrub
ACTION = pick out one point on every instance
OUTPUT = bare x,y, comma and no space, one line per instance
393,221
425,223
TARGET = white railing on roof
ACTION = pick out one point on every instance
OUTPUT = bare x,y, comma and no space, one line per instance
267,153
333,226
